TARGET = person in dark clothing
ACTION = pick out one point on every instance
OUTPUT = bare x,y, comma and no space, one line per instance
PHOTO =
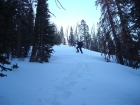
79,46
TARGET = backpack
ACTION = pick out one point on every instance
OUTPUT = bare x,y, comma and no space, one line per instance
81,44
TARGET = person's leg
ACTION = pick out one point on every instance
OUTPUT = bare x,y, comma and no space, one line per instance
77,49
81,50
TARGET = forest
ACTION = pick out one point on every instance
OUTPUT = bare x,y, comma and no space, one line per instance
25,27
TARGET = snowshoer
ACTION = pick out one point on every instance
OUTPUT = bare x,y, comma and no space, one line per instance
79,46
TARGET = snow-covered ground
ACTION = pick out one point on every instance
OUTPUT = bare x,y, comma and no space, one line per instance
70,78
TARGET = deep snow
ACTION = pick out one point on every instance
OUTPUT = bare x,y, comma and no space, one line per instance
70,78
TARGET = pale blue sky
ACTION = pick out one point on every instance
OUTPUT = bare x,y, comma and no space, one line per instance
76,10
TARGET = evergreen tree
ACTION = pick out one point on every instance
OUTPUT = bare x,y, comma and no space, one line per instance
76,33
134,14
8,22
118,22
15,27
93,42
108,26
43,34
84,33
134,19
25,24
99,41
7,32
57,36
71,37
62,35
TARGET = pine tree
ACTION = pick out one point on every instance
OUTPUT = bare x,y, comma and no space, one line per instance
93,41
8,26
84,33
71,37
8,32
76,33
118,22
108,26
99,41
43,34
62,35
25,24
15,27
57,36
134,20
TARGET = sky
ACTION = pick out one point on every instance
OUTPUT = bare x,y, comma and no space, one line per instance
70,78
75,11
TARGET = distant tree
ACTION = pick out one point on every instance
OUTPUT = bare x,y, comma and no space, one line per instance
67,35
99,41
62,35
84,33
76,33
93,45
57,36
71,37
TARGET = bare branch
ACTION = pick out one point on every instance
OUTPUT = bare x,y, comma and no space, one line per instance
52,14
59,4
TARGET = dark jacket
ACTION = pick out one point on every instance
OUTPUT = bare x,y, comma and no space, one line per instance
80,44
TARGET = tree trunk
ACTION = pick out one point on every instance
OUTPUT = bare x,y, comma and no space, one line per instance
34,53
125,37
19,30
117,43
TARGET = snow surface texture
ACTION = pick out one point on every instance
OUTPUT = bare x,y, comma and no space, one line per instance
70,78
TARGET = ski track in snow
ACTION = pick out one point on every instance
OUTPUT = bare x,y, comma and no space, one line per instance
79,72
63,90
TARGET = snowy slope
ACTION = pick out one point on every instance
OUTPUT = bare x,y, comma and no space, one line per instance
71,79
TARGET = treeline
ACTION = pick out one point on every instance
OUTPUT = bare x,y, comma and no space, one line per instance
118,34
25,23
82,33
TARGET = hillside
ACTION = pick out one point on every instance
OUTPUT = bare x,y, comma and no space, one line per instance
71,78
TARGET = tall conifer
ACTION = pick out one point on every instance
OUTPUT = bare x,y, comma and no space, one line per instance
43,34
